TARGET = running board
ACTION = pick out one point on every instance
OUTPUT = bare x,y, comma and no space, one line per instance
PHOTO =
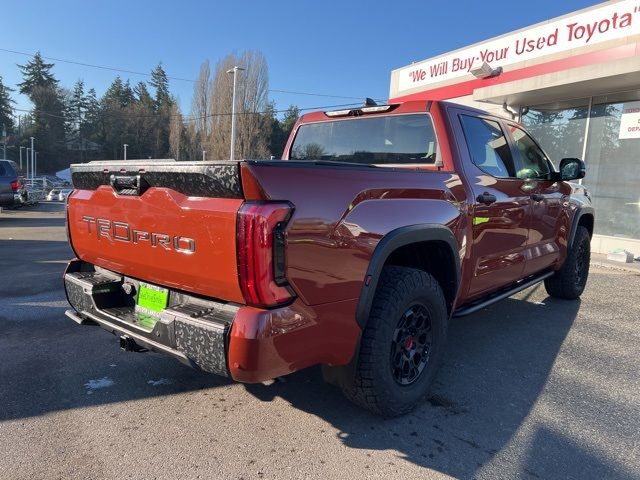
499,295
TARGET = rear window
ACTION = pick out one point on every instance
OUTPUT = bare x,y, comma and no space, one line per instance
3,171
393,139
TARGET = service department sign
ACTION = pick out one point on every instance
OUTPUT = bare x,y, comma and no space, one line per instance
630,121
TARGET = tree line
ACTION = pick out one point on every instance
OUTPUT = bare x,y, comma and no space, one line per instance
76,125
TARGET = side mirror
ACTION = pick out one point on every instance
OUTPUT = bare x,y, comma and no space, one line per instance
572,169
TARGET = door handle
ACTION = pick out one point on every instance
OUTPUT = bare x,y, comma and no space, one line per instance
486,198
537,197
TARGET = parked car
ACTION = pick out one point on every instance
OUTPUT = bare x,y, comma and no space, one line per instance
64,193
12,190
53,195
354,251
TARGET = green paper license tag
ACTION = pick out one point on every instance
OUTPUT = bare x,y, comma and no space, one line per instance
151,299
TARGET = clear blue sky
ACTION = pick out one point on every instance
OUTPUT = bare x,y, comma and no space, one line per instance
324,46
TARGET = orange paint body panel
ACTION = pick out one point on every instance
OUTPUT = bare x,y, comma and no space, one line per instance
210,270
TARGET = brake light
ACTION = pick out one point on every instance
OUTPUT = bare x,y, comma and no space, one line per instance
261,253
15,185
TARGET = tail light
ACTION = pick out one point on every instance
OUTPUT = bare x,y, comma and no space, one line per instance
15,185
261,253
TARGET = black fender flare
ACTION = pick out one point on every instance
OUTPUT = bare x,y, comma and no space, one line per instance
388,244
584,210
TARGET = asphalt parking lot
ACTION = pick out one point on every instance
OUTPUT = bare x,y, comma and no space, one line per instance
531,388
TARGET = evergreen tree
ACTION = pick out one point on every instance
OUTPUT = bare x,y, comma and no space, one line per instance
48,114
6,107
280,129
92,114
160,82
77,107
163,107
36,73
142,95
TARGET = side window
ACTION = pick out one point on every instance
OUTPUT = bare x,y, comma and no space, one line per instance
488,146
533,161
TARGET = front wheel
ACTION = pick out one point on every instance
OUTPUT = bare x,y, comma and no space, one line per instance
570,280
402,344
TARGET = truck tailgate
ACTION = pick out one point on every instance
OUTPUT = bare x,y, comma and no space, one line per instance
178,230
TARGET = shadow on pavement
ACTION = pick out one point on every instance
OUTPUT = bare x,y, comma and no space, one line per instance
495,369
496,366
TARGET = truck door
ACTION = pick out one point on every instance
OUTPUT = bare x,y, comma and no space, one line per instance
546,197
499,208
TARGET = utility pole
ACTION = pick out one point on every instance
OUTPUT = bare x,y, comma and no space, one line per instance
32,156
234,70
4,142
204,155
125,150
21,157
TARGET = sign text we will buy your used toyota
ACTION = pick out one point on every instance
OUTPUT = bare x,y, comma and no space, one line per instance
611,21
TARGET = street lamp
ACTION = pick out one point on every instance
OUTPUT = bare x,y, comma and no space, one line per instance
21,157
32,156
28,153
4,142
35,165
125,150
234,70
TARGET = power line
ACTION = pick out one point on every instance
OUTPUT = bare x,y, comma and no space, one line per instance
102,67
133,72
191,117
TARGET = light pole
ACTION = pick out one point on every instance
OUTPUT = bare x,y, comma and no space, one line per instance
35,165
27,161
125,150
32,156
204,155
234,70
4,142
21,157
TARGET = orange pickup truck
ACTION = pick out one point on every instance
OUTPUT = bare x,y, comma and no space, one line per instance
378,225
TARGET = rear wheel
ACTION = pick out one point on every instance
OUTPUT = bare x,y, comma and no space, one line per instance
402,344
569,282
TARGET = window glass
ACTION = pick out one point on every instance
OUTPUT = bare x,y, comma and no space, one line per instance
560,131
533,161
392,139
3,171
613,176
488,146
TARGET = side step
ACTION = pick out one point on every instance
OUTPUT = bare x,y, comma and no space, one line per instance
499,295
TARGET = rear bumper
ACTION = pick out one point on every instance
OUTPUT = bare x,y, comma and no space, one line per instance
245,343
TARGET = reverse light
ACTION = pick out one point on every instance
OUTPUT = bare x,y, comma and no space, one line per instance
261,253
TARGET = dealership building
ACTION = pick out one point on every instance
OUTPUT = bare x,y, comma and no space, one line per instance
574,81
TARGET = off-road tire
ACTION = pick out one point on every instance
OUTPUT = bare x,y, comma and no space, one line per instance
375,385
570,280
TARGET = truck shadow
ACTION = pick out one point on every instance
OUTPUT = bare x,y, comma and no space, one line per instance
496,365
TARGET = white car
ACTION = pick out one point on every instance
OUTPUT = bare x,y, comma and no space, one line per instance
53,195
64,193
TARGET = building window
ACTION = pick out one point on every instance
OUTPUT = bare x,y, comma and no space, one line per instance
611,153
613,173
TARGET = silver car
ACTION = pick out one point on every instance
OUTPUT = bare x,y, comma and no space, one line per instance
64,193
53,195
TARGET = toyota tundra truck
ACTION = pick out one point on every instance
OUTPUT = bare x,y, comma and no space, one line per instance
353,251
